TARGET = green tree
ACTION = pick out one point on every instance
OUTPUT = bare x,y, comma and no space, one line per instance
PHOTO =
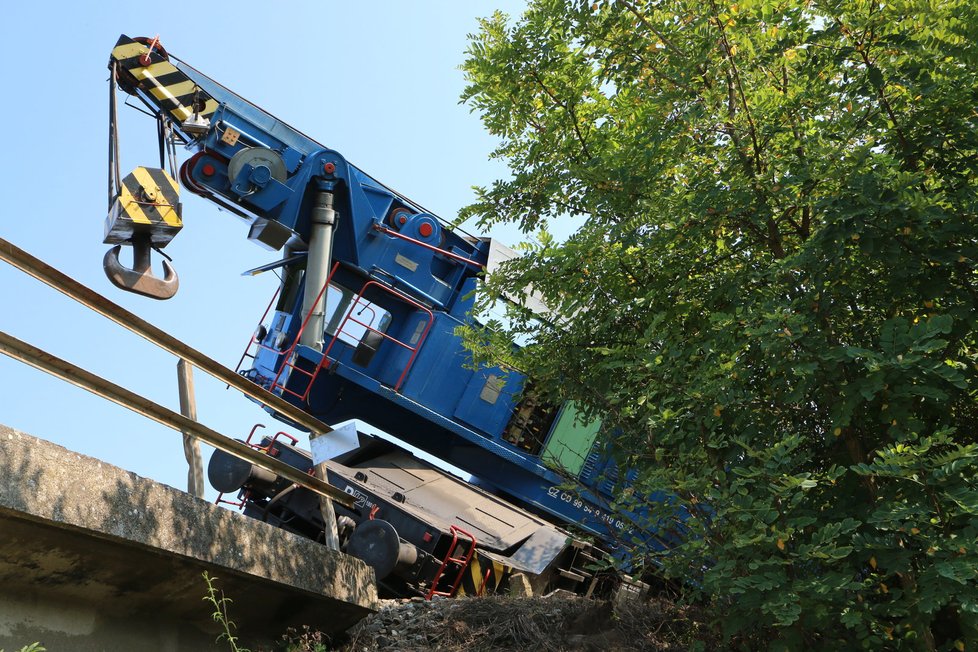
770,290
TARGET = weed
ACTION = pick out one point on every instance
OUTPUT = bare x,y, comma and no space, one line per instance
308,640
220,603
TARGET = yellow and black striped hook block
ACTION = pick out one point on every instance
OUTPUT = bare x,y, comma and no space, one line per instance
144,215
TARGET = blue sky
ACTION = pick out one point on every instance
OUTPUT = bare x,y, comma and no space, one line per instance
376,81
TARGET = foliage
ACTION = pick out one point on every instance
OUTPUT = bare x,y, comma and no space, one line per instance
306,640
769,292
219,603
33,647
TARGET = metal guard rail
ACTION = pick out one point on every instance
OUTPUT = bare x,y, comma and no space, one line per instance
39,359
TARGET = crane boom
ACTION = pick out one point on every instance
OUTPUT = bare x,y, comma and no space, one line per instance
374,290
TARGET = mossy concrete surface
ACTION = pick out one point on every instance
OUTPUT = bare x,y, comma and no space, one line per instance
93,557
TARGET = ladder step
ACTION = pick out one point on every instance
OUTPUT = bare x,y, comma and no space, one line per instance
571,575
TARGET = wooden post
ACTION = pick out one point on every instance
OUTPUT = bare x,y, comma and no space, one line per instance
191,447
331,538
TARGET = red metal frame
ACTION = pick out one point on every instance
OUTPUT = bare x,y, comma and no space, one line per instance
288,355
485,579
270,450
400,296
254,340
462,562
324,362
397,234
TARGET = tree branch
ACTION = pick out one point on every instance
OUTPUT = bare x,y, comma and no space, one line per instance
570,112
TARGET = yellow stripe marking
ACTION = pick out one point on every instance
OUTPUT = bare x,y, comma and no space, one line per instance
209,107
164,196
132,208
128,50
181,88
477,575
161,68
180,112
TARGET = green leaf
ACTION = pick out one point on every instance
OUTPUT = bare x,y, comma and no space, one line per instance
760,257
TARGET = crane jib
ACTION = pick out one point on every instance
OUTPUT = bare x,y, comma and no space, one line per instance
168,86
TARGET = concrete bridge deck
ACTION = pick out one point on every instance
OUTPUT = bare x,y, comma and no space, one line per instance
96,558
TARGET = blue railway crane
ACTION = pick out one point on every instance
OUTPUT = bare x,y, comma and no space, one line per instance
374,287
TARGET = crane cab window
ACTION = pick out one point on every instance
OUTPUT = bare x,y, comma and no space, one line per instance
349,318
365,317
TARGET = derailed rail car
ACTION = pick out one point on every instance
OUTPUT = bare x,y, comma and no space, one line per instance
424,531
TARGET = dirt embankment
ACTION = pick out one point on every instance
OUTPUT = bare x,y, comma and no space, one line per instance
514,623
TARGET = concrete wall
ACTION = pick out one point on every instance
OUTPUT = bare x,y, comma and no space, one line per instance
95,558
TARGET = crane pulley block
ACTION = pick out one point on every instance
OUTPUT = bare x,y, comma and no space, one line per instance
143,64
148,203
145,214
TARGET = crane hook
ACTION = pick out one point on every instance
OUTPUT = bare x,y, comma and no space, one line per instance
145,214
140,278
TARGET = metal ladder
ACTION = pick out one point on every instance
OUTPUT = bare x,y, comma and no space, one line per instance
462,563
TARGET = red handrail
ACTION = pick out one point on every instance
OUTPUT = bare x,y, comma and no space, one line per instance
400,296
425,245
266,449
288,355
240,504
485,580
255,340
462,562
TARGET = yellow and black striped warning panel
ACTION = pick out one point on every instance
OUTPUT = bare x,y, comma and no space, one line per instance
170,87
148,202
482,570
